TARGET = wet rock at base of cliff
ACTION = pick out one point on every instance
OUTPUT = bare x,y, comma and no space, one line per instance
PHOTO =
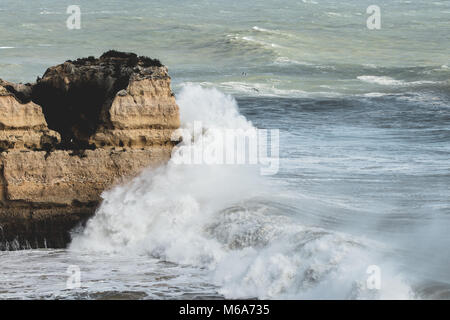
33,228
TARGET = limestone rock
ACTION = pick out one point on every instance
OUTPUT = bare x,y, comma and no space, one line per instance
83,127
22,125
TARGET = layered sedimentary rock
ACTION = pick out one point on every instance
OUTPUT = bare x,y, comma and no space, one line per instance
83,127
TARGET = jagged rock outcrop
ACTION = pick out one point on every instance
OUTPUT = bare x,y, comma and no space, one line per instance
81,128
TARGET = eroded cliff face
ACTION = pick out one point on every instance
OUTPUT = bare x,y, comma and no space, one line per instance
83,127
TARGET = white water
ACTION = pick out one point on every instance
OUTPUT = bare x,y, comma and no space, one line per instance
226,221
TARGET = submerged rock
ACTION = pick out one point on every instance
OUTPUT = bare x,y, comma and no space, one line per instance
81,128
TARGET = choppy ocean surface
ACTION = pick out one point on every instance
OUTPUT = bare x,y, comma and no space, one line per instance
364,120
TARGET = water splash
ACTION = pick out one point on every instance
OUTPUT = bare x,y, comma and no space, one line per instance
224,219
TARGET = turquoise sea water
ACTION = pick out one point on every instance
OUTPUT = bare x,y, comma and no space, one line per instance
364,120
285,47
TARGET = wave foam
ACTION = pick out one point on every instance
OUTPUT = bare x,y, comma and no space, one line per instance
271,32
388,81
213,217
286,60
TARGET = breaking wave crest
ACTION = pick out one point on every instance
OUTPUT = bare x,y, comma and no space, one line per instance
225,220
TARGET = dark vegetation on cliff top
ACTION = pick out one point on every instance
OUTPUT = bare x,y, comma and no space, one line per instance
127,58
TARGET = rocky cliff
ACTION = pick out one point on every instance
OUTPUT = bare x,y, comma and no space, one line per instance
81,128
